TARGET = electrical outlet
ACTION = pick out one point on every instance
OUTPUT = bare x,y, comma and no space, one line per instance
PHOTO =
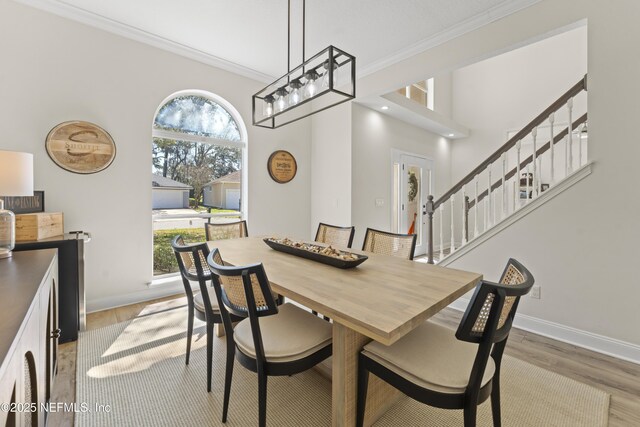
379,202
535,292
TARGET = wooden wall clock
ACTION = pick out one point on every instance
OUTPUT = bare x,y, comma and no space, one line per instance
282,166
80,147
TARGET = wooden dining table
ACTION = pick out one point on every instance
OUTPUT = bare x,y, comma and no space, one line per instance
382,299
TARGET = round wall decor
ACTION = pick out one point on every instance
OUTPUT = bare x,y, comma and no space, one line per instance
282,166
80,147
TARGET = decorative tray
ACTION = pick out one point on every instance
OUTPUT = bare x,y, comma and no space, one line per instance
324,254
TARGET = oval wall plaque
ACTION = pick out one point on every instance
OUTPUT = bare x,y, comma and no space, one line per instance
282,166
80,147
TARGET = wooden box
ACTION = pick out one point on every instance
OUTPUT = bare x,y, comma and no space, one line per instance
38,226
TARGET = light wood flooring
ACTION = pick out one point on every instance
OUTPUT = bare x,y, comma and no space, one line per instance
620,379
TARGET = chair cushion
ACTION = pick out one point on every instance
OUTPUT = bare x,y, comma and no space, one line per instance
290,335
431,357
198,301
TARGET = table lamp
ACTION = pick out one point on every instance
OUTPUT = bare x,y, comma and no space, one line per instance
16,179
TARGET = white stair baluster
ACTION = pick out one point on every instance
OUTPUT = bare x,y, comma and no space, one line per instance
488,222
504,186
475,209
539,190
570,135
494,202
516,184
518,146
528,188
566,156
441,233
534,133
580,145
464,217
551,120
453,242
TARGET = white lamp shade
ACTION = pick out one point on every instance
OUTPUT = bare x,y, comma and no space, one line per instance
16,173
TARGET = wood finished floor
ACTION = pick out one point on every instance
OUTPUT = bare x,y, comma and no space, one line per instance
619,378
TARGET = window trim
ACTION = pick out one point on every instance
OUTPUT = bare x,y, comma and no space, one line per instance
169,134
241,144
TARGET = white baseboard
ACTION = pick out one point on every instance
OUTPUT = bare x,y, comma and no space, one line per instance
590,341
152,292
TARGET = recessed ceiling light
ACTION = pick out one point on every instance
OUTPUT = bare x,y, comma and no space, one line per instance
384,107
450,135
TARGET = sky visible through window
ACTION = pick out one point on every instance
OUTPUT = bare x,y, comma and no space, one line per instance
197,115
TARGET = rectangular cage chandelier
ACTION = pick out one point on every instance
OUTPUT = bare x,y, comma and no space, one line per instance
320,82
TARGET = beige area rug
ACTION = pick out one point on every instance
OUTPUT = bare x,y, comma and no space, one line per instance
137,368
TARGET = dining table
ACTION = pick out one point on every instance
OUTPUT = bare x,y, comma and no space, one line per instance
382,299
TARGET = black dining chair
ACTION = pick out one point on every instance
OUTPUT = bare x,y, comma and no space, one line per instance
223,231
192,262
335,235
272,340
438,368
385,243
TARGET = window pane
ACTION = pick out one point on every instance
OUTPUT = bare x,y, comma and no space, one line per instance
197,115
192,182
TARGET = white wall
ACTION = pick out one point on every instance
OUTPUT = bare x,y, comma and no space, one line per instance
580,246
506,92
54,70
331,167
374,136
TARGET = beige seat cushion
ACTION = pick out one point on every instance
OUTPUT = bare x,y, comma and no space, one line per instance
431,357
198,301
290,335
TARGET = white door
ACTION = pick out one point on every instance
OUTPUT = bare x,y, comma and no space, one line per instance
232,199
414,179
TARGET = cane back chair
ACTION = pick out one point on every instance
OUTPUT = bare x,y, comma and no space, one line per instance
271,340
438,368
385,243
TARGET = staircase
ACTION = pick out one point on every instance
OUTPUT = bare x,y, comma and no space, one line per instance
538,160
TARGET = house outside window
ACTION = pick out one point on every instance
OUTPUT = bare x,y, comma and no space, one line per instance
197,157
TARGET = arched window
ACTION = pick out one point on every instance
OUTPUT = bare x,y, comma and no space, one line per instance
197,115
197,171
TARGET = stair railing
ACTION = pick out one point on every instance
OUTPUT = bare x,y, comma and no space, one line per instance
510,200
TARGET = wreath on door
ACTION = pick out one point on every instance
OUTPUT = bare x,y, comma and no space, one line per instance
413,186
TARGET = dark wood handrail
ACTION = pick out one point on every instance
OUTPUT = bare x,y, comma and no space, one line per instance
576,89
529,160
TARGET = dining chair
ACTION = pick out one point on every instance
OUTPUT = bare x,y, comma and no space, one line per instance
383,242
335,235
192,262
271,340
229,230
438,368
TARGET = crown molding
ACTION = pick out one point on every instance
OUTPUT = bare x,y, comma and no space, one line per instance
95,20
473,23
103,23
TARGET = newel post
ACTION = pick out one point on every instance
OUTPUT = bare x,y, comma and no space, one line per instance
429,211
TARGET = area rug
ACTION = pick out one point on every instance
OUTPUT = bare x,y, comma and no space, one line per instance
134,374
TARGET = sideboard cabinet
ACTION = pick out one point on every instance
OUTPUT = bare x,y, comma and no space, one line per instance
28,336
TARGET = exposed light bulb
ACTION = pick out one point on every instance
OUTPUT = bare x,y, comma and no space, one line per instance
282,101
268,105
294,96
311,87
325,79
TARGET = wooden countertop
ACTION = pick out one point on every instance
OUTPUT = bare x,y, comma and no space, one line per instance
20,279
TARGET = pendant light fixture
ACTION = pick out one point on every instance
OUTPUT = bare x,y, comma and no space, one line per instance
320,82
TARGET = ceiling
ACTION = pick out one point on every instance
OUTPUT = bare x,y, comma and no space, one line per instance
250,36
